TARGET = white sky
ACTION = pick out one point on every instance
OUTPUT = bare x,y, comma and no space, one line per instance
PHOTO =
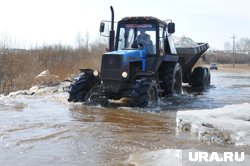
51,21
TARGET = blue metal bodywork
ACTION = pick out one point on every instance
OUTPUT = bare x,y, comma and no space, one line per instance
132,55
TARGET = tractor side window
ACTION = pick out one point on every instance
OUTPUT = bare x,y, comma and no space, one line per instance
171,44
122,34
126,38
161,42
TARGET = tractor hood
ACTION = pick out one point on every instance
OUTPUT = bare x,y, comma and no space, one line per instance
116,62
129,55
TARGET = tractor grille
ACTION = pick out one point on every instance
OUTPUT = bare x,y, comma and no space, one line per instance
111,67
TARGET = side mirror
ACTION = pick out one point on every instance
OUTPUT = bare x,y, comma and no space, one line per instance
171,27
102,27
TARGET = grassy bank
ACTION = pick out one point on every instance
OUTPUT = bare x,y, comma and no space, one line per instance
19,68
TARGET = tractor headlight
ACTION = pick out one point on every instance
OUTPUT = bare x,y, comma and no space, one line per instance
124,74
95,73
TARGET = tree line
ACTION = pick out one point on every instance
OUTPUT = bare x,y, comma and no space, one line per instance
242,46
241,55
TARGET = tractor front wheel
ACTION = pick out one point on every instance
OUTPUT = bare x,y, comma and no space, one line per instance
144,93
80,89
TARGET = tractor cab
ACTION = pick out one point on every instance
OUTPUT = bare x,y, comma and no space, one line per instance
145,32
149,33
139,45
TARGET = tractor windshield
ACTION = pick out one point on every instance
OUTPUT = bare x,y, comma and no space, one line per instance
141,35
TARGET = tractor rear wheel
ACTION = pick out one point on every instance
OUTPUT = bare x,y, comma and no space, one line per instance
171,76
144,93
80,89
200,78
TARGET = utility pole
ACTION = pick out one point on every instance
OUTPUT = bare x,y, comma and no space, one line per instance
233,49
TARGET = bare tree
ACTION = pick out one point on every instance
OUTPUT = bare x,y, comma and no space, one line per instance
243,45
5,43
86,40
227,47
82,41
79,40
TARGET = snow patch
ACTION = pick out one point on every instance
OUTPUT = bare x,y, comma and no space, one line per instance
45,78
21,99
180,157
156,158
230,124
40,90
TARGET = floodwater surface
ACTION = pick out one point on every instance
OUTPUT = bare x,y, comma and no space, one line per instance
45,129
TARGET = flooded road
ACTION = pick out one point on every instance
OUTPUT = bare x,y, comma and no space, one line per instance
44,129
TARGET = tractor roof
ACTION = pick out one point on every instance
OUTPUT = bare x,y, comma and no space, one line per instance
142,19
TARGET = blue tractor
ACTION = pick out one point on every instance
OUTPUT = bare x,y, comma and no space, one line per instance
142,64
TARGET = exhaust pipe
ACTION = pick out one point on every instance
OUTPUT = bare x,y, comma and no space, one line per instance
112,31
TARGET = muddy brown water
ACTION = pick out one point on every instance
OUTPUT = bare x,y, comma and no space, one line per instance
46,130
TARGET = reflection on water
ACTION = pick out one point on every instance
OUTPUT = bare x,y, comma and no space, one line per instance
39,131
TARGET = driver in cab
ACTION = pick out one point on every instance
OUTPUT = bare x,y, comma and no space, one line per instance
144,40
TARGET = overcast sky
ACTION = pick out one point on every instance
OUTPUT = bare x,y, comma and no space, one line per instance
31,22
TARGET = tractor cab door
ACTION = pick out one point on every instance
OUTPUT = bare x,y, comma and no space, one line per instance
147,38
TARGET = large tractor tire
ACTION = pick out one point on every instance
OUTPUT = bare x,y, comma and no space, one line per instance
200,78
144,93
80,89
171,77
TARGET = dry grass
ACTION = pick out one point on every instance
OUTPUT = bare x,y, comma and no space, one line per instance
237,68
18,69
